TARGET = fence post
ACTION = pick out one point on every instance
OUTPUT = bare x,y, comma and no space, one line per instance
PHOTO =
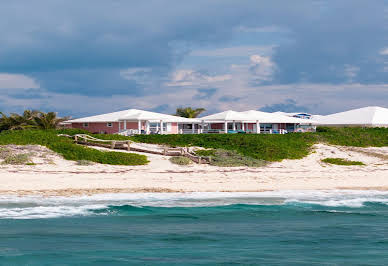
76,138
199,160
113,145
164,150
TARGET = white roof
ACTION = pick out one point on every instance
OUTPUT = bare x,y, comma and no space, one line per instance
228,116
371,116
264,117
133,115
291,114
253,116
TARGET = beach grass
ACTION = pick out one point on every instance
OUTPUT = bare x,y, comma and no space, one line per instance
18,159
271,147
341,161
180,160
69,150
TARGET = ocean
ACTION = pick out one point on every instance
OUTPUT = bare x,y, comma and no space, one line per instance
265,228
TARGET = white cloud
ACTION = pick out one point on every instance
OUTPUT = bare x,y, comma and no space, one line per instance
351,72
235,51
17,81
189,77
264,29
259,69
384,51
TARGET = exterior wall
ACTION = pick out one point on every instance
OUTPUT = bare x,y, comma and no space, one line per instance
102,127
174,128
98,127
217,126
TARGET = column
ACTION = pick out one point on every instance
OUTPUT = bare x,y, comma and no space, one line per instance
243,126
147,127
192,128
161,127
139,126
257,127
234,125
125,124
202,126
226,127
119,126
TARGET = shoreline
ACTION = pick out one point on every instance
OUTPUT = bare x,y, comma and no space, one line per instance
65,178
92,192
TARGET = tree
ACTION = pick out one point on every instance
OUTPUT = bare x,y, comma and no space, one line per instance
48,120
18,122
189,112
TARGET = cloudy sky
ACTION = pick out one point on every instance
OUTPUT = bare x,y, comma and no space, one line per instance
94,56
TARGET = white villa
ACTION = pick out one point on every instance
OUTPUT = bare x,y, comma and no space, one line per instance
133,121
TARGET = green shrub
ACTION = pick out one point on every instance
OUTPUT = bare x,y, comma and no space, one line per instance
69,150
4,152
341,161
84,162
211,152
225,158
180,160
18,159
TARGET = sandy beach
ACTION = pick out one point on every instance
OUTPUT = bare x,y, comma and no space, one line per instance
52,175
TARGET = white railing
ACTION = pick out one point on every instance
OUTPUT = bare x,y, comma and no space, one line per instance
128,132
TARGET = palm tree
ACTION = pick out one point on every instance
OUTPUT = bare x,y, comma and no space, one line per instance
48,120
189,112
18,122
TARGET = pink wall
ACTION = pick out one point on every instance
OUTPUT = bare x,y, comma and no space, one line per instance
217,126
174,128
102,127
98,127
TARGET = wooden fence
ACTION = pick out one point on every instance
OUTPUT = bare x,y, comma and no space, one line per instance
128,145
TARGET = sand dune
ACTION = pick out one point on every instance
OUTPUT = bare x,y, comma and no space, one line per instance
52,175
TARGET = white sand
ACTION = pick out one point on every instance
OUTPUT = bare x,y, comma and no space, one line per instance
55,176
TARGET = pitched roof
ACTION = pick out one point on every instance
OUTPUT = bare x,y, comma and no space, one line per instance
132,115
228,116
253,116
371,115
264,117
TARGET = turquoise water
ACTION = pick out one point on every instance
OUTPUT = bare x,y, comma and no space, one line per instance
272,228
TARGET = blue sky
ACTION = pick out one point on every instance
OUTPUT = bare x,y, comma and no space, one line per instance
89,57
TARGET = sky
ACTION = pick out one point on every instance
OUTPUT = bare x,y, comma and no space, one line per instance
89,57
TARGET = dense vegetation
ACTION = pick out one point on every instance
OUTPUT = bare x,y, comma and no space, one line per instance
67,148
30,119
229,158
341,161
275,147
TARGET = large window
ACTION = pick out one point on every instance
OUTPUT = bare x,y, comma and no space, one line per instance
109,124
155,127
85,124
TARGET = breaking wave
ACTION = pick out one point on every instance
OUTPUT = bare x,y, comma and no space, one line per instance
338,201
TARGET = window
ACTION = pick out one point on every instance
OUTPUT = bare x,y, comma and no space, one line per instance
109,124
86,125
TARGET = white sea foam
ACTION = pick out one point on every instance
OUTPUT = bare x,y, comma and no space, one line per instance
34,207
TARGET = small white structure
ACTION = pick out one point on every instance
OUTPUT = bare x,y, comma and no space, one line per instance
371,116
301,115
